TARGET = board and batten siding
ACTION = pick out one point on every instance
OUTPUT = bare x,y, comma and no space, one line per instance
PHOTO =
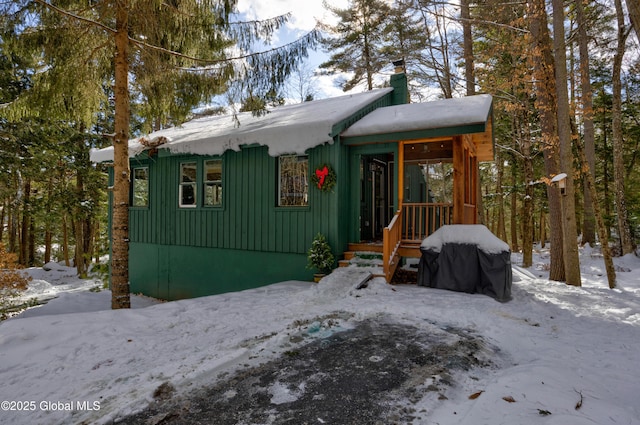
249,218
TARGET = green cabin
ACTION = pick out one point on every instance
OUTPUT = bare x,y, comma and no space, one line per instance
225,203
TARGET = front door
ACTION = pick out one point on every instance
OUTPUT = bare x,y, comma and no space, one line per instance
374,196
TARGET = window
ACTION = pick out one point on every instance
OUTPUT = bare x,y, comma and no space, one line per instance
213,183
188,175
293,185
140,191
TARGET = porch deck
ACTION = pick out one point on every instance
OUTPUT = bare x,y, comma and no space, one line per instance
411,224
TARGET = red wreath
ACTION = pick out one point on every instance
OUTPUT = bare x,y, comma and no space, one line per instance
324,178
321,175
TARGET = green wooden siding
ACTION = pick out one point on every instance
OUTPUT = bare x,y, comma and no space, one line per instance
249,218
176,272
248,223
248,241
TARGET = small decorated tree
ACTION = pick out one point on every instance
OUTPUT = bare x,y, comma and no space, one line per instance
319,255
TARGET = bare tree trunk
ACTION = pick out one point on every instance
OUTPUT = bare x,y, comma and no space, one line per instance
3,215
469,76
633,6
13,228
87,242
467,45
569,225
588,227
48,234
624,230
527,204
514,216
96,236
81,228
543,229
602,231
26,219
547,105
48,237
438,54
120,229
31,259
606,194
78,255
500,225
65,240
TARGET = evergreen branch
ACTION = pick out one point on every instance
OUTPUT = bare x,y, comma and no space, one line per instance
274,23
145,45
76,17
313,34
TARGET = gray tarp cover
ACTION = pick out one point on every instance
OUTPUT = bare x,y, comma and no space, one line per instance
465,267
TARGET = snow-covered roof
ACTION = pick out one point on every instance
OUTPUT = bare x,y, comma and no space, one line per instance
285,129
465,234
440,114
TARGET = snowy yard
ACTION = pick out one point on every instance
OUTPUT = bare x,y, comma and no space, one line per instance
566,355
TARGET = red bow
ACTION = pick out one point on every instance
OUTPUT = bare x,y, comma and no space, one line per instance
321,175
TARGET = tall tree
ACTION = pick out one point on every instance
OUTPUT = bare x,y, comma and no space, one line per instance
303,84
589,222
546,104
467,46
634,15
569,226
191,38
505,72
437,59
356,41
626,243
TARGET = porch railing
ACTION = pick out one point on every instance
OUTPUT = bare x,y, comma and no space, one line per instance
421,219
413,222
391,239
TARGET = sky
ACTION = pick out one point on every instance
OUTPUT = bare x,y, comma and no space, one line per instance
559,355
305,14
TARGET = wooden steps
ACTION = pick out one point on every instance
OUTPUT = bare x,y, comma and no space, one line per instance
370,251
410,249
407,249
361,258
366,247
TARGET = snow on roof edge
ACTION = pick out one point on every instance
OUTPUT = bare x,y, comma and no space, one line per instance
439,114
288,129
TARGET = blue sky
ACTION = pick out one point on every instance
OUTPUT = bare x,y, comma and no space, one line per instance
305,13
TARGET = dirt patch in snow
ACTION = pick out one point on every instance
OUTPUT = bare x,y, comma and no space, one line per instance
374,373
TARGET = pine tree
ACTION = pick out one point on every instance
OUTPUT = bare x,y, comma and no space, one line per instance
357,40
319,255
175,55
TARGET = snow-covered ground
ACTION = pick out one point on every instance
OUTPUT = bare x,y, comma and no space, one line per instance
568,355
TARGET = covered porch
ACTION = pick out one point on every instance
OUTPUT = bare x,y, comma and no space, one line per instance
439,146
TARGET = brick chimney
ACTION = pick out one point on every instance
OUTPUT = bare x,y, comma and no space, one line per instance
398,82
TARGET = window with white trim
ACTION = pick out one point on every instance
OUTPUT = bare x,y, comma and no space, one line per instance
293,181
188,181
213,183
140,187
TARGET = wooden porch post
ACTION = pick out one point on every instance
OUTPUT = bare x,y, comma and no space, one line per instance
458,180
475,181
400,174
